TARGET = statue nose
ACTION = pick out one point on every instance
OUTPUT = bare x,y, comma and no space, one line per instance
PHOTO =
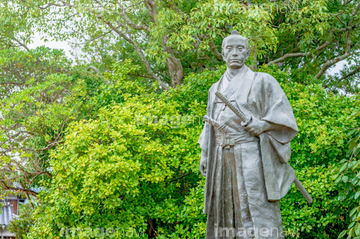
235,52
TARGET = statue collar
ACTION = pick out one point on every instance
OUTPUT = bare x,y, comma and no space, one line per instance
229,76
242,80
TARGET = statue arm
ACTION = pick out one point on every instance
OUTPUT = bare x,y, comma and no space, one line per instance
203,141
276,114
271,126
203,162
257,127
276,111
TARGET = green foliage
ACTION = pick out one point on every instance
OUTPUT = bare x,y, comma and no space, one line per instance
114,150
33,121
307,37
135,163
16,26
347,177
324,121
22,224
39,99
18,66
209,18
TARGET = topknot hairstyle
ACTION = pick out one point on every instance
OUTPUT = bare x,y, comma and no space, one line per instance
235,33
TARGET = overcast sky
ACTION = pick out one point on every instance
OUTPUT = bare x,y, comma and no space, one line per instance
52,44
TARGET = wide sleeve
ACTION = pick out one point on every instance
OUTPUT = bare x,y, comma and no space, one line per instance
203,137
205,134
277,110
274,107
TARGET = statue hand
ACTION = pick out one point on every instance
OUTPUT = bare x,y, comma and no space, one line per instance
203,164
257,127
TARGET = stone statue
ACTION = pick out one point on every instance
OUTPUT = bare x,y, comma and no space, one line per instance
245,161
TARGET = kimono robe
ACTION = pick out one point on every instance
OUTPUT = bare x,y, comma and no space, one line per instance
246,175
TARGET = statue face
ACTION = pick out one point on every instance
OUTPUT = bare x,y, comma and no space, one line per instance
235,52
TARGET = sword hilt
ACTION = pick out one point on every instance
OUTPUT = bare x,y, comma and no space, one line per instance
214,123
234,109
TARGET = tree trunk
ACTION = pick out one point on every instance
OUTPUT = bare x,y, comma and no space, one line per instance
175,70
173,63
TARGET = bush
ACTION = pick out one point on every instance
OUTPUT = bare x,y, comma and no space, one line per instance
135,164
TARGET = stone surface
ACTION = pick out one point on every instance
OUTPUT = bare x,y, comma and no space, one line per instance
246,163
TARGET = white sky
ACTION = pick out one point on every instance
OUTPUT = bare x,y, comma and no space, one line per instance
51,44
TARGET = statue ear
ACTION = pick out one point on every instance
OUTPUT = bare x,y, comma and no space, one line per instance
223,56
248,53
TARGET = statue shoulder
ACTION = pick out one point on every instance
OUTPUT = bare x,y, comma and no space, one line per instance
214,87
266,79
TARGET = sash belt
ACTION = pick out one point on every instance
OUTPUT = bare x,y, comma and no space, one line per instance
230,140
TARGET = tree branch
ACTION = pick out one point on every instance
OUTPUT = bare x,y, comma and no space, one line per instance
11,83
152,8
19,190
330,63
212,45
328,42
174,64
139,51
353,72
50,5
215,51
319,48
28,198
67,4
340,20
355,11
130,23
94,69
131,41
182,176
323,46
287,56
21,44
245,3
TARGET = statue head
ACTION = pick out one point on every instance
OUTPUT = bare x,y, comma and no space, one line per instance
235,50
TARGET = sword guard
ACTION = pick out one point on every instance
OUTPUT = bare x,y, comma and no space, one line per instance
244,124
